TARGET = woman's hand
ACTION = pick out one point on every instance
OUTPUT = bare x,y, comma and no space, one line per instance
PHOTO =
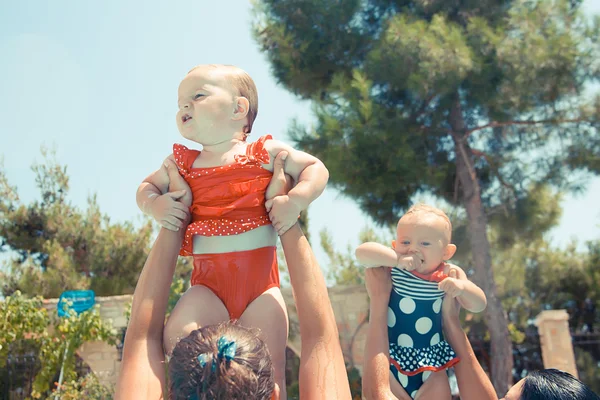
379,283
178,185
283,212
281,183
451,309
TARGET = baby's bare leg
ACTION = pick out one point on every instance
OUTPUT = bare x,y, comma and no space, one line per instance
397,389
198,307
435,387
269,313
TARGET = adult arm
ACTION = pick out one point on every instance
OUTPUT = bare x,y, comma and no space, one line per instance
376,368
142,374
473,383
322,369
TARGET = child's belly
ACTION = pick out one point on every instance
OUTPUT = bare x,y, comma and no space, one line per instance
263,236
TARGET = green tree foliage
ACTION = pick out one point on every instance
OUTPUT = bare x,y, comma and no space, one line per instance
56,246
473,102
343,267
59,349
87,387
588,370
20,318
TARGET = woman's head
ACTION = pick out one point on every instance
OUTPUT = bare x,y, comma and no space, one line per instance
225,361
550,384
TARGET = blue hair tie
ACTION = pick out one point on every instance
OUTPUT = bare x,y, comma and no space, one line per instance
226,349
202,359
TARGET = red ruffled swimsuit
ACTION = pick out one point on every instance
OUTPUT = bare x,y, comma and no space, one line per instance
229,200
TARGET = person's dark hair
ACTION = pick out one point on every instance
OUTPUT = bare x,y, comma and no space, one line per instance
552,384
247,375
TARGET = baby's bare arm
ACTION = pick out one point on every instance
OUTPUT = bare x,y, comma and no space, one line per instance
471,297
153,186
154,199
373,254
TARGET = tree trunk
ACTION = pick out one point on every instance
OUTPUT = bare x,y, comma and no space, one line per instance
495,317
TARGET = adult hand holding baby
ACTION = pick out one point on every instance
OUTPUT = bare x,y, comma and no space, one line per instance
169,212
283,212
171,209
379,283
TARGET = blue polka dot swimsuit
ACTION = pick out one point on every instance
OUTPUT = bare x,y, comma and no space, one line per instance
417,345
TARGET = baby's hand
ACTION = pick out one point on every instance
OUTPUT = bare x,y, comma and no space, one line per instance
408,262
453,286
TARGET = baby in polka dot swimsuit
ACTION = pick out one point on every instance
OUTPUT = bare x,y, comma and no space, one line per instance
421,279
233,232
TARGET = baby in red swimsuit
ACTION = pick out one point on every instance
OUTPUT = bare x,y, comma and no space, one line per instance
232,236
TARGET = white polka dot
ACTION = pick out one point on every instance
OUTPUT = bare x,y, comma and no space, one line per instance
414,394
437,306
423,325
391,318
403,379
435,339
407,305
405,341
426,375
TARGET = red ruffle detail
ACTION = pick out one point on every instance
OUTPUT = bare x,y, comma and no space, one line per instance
449,364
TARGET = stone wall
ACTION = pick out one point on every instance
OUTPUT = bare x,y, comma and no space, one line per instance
350,306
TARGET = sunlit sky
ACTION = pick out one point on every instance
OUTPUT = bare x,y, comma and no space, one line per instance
98,81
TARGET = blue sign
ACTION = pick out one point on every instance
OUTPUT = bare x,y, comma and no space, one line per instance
80,301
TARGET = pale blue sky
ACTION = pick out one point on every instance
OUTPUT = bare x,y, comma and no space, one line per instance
98,81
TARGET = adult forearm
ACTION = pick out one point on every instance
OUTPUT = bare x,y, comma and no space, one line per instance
473,382
310,291
311,183
152,290
376,384
322,370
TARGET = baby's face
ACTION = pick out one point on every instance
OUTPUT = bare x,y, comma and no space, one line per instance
425,236
206,102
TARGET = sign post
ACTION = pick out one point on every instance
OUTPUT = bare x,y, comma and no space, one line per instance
79,301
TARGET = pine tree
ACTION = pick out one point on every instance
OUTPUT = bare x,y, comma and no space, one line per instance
471,101
55,246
